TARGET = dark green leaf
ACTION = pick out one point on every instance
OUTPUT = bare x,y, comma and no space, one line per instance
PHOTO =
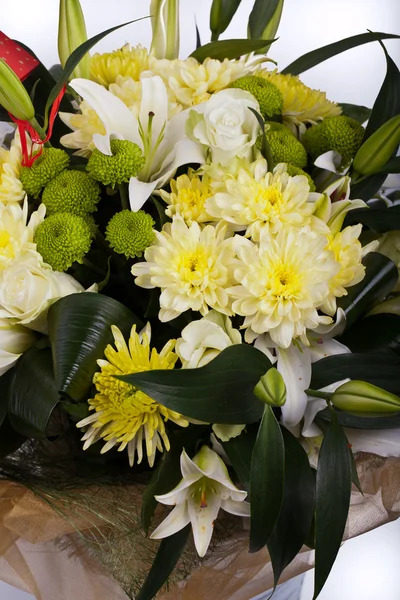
78,411
380,278
260,16
79,331
354,474
265,147
75,58
10,440
374,334
229,49
392,166
167,556
160,206
198,39
221,14
239,451
354,111
387,103
5,392
34,393
347,420
266,480
220,392
378,220
333,491
294,522
368,187
311,59
382,370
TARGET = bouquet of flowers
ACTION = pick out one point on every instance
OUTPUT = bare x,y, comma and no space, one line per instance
198,291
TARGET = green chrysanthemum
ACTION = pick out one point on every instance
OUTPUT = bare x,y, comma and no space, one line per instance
126,161
50,164
266,93
343,134
89,220
292,170
274,126
74,192
286,148
63,239
130,233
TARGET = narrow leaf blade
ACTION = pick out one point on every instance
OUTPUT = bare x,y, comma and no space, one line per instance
239,451
355,111
378,220
229,49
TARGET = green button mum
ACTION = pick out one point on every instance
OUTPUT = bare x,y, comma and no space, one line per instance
130,233
266,93
285,148
63,239
126,161
74,192
50,164
342,134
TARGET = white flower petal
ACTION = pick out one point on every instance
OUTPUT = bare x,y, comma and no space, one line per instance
227,432
241,509
139,192
202,518
155,104
384,442
295,367
177,519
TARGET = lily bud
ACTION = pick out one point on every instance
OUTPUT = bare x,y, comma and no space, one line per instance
222,12
13,96
379,147
361,398
271,27
71,34
271,388
165,26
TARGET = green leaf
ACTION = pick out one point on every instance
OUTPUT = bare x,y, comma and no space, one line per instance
333,490
266,480
5,383
380,278
355,111
378,220
239,451
294,522
221,14
368,187
260,16
380,369
168,554
10,440
354,422
78,411
311,59
387,103
75,58
79,331
34,394
392,166
375,333
229,49
220,392
265,147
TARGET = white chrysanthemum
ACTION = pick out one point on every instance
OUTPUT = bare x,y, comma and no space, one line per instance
193,82
282,283
348,253
16,233
263,203
192,266
11,189
188,196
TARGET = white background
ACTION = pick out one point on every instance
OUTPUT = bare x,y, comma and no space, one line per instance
368,566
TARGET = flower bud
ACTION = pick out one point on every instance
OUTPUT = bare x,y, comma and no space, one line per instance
165,26
378,148
71,34
272,27
361,398
13,96
222,12
271,388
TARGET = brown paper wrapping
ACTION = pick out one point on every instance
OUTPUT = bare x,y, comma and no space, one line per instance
32,559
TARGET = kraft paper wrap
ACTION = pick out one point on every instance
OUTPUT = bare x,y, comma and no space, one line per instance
33,559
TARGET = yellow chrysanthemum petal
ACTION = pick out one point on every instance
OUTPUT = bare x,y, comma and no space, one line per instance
126,62
188,197
11,189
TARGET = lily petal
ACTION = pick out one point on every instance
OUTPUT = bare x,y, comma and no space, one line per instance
327,347
177,519
139,192
241,509
154,105
213,467
189,469
181,153
202,518
295,367
384,442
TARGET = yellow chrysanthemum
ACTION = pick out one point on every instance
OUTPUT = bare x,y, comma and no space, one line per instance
127,62
11,189
301,104
192,266
263,203
193,82
348,253
16,233
124,415
188,197
282,283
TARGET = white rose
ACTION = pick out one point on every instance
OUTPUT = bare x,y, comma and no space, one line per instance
28,288
226,125
14,340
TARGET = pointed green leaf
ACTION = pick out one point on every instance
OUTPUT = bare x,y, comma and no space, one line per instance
79,332
221,14
220,392
229,49
265,147
5,383
239,451
334,475
294,522
33,394
375,333
168,554
266,480
379,220
380,278
314,58
368,187
354,111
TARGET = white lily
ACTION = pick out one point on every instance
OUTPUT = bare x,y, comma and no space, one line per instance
163,142
294,364
205,488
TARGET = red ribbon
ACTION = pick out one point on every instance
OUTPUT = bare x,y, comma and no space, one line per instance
24,127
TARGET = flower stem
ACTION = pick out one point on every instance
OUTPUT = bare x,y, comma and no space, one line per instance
123,192
39,129
318,394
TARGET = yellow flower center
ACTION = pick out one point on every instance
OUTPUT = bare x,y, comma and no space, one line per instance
6,247
268,200
193,266
193,198
284,282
